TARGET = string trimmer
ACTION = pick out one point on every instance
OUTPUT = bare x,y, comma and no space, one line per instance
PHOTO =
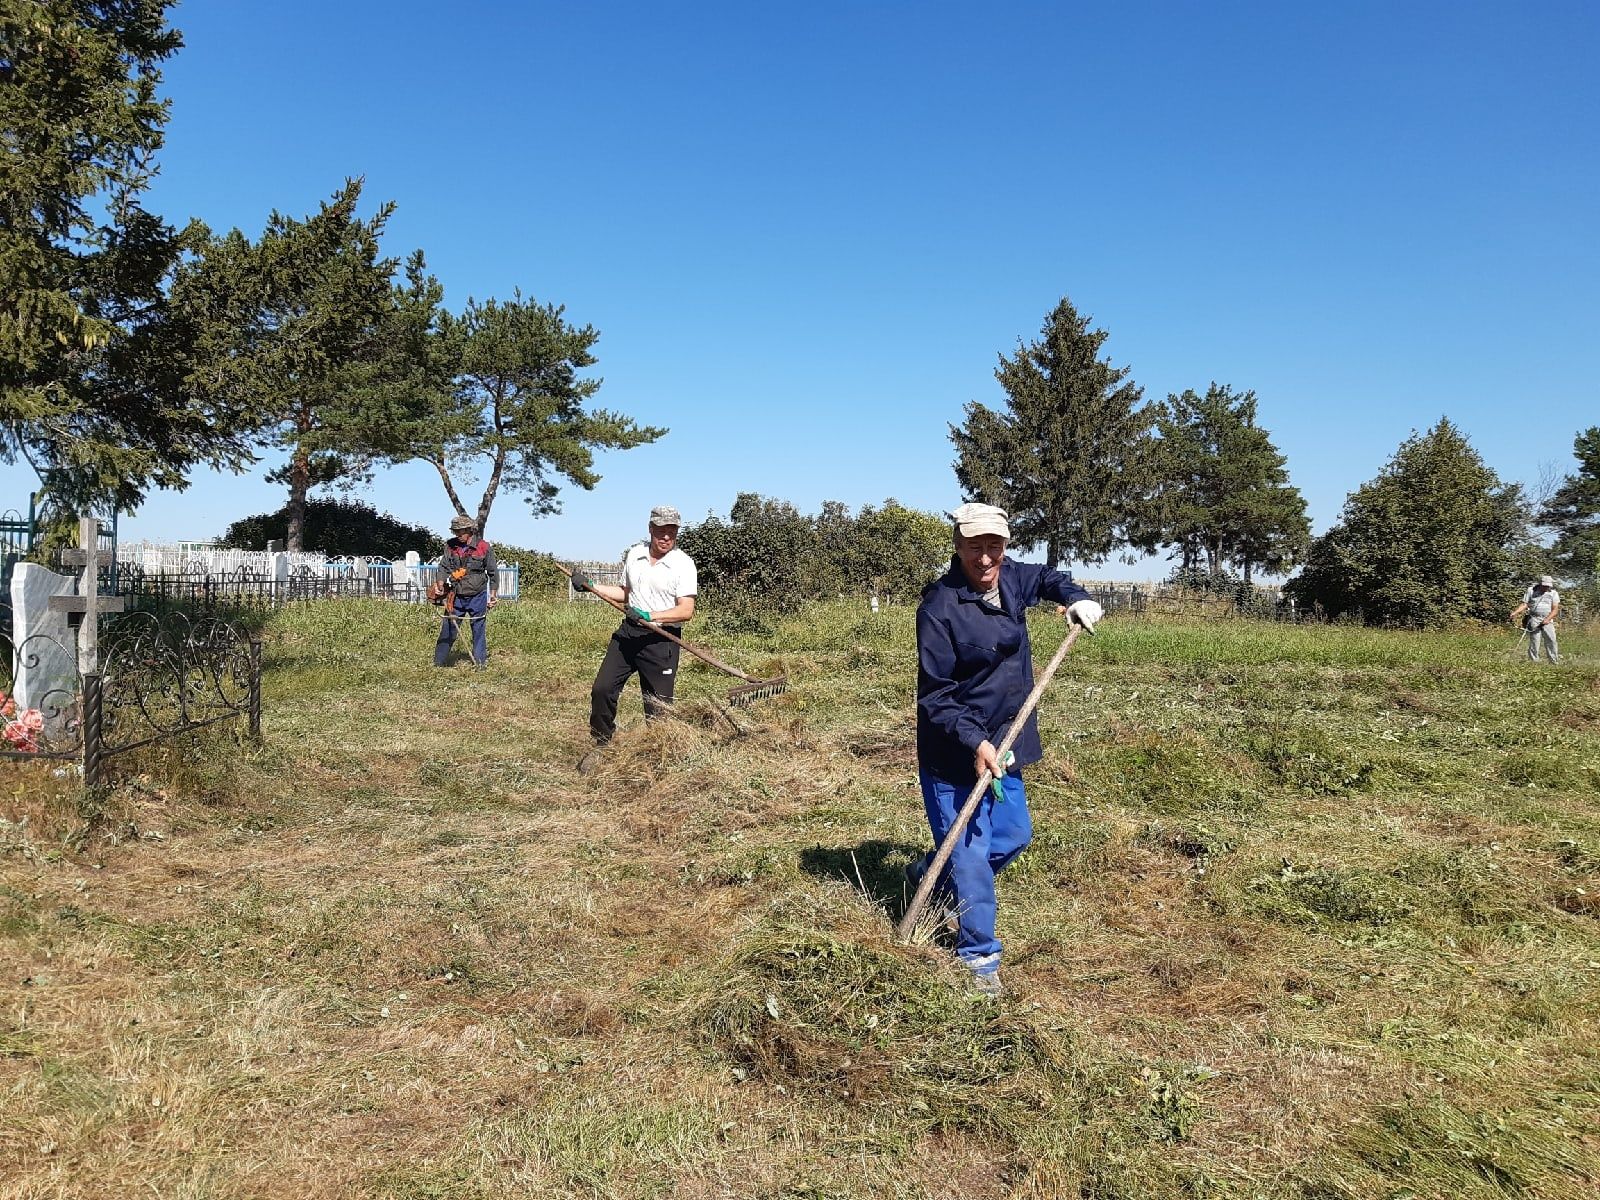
930,877
748,692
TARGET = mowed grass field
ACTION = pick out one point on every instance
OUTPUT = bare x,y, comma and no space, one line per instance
1311,913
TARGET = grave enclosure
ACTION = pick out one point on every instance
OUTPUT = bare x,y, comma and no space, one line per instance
85,681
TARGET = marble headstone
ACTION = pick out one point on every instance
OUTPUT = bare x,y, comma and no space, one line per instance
45,656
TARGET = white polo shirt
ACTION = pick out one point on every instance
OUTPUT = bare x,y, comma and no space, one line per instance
658,586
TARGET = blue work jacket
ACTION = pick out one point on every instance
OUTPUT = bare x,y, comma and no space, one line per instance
975,667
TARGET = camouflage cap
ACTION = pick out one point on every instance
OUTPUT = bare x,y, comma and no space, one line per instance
461,523
665,514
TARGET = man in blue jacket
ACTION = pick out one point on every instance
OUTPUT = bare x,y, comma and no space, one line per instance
974,671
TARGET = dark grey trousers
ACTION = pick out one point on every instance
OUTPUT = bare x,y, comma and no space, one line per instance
632,649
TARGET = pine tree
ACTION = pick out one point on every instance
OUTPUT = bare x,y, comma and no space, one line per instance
1574,513
1070,457
501,387
1223,495
92,390
288,332
1429,541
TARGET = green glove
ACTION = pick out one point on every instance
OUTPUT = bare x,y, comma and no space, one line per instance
995,786
635,613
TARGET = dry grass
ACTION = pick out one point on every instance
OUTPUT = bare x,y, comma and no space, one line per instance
1309,914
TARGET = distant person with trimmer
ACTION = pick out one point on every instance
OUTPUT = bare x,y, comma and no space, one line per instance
467,586
974,673
659,584
1538,611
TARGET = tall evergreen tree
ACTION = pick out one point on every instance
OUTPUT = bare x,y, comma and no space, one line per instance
1223,496
1574,513
90,393
289,330
1428,542
498,388
1070,456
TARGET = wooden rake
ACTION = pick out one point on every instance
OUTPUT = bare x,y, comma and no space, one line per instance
745,694
930,877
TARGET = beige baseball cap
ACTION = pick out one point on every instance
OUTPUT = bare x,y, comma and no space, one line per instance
665,514
1546,581
975,520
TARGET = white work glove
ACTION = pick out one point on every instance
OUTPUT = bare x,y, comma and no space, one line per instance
1086,613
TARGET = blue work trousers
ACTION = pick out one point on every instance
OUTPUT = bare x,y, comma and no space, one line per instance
475,609
994,836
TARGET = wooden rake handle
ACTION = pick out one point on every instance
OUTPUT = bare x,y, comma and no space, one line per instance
703,655
930,877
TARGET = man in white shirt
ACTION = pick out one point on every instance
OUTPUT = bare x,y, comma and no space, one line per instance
659,584
1538,612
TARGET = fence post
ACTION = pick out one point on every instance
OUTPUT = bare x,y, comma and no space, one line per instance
255,688
93,728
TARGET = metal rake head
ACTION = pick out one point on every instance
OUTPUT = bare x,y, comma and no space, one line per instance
748,693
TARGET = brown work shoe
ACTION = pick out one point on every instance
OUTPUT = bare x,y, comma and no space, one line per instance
590,761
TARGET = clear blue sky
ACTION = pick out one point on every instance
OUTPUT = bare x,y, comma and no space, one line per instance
806,231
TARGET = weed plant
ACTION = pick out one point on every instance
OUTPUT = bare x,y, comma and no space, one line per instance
1311,912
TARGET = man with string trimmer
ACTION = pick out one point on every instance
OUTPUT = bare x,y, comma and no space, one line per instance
659,584
974,676
467,587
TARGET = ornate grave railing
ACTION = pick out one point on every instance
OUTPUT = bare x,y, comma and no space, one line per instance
40,699
161,675
195,591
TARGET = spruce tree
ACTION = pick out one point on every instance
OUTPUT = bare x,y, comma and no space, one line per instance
1070,456
1223,495
1574,513
288,331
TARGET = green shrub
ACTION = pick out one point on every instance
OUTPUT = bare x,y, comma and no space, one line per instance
539,573
337,527
767,556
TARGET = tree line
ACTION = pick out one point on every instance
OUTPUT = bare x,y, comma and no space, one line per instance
133,352
1087,469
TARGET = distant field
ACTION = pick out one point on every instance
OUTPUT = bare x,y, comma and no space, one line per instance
1312,913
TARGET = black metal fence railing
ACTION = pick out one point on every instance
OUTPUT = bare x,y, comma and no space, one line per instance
206,590
161,675
16,541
